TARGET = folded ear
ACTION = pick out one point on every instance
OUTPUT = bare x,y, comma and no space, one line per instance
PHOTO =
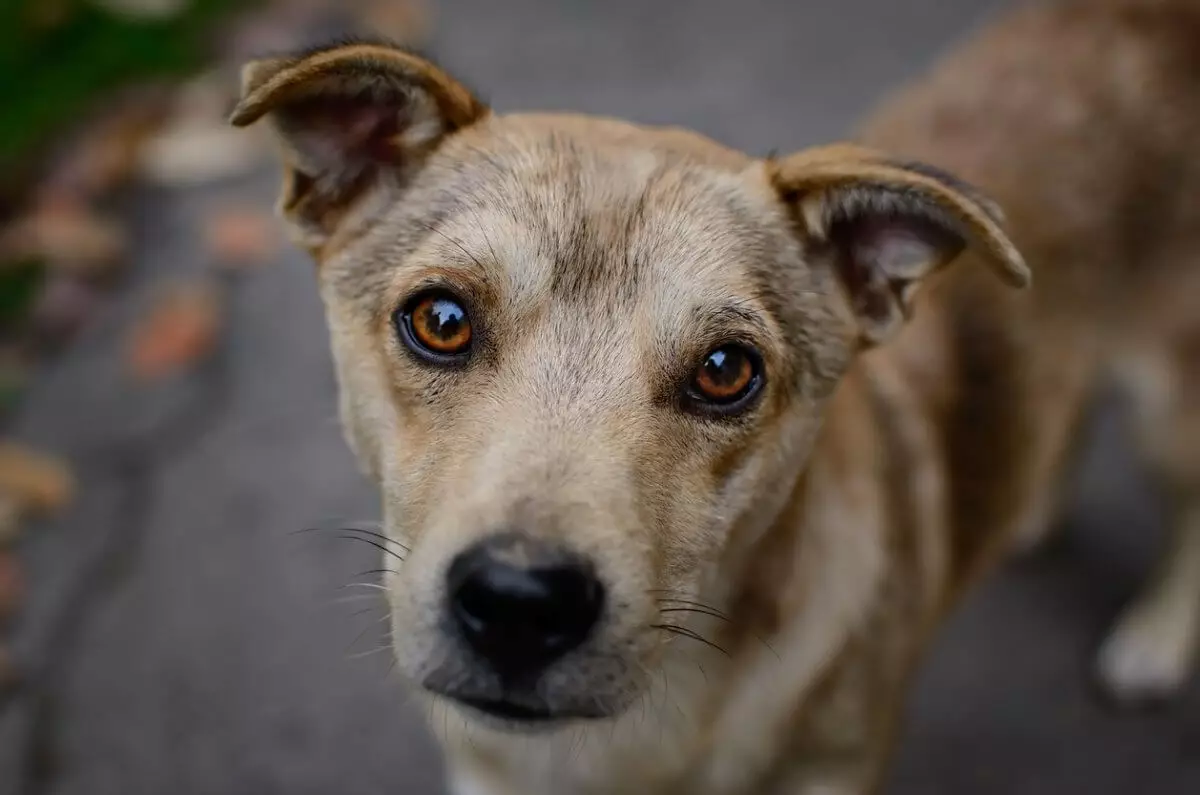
887,225
347,117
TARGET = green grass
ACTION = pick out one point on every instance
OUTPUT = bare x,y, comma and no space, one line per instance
52,73
49,74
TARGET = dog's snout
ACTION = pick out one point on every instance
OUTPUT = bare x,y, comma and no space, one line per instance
521,604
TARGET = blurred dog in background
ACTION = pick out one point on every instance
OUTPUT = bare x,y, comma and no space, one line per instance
690,452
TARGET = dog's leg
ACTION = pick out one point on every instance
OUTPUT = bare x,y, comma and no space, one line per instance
1151,651
1058,401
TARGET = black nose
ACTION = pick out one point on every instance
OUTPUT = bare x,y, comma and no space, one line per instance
521,604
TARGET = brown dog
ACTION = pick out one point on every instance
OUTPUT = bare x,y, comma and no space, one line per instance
692,451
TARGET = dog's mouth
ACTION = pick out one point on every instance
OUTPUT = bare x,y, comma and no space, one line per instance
510,710
524,713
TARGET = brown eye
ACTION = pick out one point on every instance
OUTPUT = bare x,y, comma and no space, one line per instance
436,326
727,379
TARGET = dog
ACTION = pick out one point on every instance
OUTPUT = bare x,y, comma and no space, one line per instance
691,452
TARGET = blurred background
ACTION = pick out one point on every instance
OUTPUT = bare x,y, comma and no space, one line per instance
168,407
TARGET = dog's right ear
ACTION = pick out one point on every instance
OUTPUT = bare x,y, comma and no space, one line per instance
349,118
887,225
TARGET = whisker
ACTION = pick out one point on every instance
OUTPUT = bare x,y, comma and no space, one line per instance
357,597
684,605
357,638
374,585
369,572
452,242
382,537
358,655
486,239
701,610
353,529
707,610
387,615
676,596
675,629
375,544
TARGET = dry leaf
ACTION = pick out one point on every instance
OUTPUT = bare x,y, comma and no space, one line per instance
143,9
38,483
11,521
180,331
63,306
197,145
48,13
403,20
10,672
68,236
12,585
14,370
195,154
242,237
104,154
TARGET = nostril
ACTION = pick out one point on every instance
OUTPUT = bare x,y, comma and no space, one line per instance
520,618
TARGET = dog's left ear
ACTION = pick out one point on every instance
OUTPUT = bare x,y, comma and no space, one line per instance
888,224
350,117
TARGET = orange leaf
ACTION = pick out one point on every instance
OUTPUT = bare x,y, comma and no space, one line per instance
180,331
69,235
36,482
12,585
242,237
10,672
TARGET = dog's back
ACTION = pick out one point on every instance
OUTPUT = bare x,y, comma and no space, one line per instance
554,337
1083,120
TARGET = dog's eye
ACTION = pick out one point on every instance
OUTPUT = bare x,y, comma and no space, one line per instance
727,379
435,326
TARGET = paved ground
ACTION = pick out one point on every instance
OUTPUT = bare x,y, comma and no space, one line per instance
185,642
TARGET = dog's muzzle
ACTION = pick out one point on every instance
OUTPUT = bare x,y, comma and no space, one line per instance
519,605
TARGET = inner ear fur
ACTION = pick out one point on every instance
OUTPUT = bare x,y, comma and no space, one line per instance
889,224
346,116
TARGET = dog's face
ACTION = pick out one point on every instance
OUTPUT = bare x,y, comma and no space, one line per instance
583,360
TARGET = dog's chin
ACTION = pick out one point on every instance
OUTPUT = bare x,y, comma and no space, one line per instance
519,714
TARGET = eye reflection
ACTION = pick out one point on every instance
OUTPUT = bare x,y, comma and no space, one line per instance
728,375
436,323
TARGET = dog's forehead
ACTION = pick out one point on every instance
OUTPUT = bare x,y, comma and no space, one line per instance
599,211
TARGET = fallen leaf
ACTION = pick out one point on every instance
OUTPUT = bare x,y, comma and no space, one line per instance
242,236
196,145
12,585
63,306
196,154
104,153
10,672
14,377
180,331
48,13
11,521
403,20
68,236
144,9
37,482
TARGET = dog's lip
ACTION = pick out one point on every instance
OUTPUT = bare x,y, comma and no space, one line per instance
508,710
512,711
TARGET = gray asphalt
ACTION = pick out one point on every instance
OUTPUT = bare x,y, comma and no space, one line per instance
182,639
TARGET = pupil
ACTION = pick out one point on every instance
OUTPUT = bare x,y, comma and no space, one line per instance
444,318
723,367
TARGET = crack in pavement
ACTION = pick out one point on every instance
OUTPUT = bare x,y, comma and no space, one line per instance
133,463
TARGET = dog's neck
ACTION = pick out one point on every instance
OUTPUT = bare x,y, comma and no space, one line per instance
854,554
